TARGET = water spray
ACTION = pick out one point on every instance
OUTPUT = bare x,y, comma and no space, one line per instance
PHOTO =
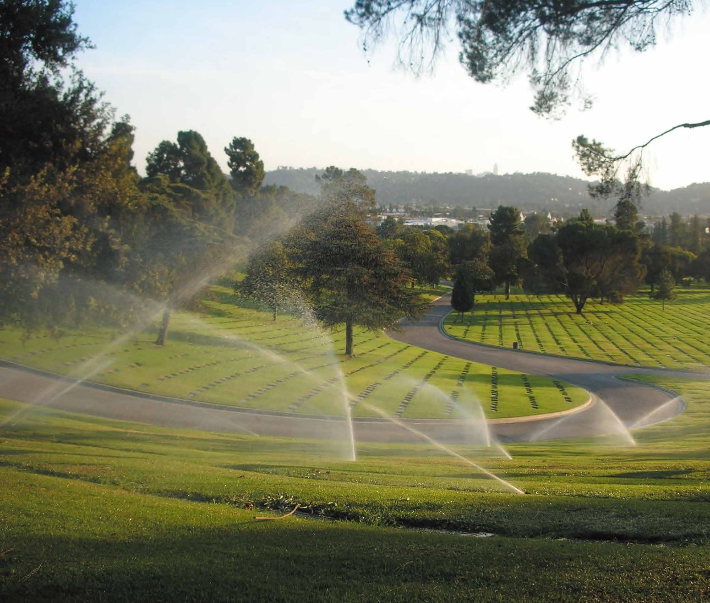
440,446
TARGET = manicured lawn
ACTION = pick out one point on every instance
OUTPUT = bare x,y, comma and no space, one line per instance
238,356
432,293
637,333
99,510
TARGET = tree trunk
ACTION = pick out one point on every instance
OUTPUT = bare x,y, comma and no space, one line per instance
579,303
507,289
163,332
349,337
276,312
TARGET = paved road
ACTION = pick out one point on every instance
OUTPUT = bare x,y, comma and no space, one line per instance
616,402
629,402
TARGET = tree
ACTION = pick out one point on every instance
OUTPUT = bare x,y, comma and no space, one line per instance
67,190
626,215
245,166
551,40
191,207
471,278
390,228
666,289
677,230
508,249
469,243
660,232
461,295
349,276
478,276
536,224
696,234
181,245
437,264
586,260
190,163
268,278
346,188
424,254
548,39
700,267
661,258
39,111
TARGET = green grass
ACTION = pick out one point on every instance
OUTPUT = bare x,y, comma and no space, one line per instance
432,293
238,356
99,510
636,333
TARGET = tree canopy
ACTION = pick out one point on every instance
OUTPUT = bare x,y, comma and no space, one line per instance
549,40
245,166
508,238
585,260
349,276
666,289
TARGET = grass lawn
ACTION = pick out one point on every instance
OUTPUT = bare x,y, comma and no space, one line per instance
238,356
637,333
99,510
432,293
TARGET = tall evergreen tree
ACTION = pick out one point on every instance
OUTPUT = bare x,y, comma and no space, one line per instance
665,290
189,162
245,166
508,239
626,214
349,276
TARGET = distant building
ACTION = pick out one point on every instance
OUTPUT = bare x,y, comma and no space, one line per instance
433,222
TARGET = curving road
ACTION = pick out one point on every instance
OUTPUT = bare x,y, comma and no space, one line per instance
617,404
624,403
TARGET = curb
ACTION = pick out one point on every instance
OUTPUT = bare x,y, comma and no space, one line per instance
529,418
548,415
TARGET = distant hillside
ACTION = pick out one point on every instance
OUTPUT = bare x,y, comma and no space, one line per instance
538,191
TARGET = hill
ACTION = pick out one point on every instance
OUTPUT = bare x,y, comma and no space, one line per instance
537,191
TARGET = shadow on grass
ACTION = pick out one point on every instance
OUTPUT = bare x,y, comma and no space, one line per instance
299,561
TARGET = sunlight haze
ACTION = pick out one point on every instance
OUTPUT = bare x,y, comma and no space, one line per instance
293,77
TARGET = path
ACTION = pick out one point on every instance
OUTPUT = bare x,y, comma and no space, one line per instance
629,401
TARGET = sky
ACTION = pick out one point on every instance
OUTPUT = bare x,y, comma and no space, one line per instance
293,77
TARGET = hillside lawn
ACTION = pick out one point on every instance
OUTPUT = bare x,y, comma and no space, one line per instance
99,510
636,333
238,356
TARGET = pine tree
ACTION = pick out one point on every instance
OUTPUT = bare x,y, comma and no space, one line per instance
665,289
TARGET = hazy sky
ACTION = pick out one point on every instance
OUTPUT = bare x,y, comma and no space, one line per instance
292,76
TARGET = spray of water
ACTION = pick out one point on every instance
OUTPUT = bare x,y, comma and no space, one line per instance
441,447
277,358
97,363
469,406
616,425
345,398
664,412
550,428
605,421
60,388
